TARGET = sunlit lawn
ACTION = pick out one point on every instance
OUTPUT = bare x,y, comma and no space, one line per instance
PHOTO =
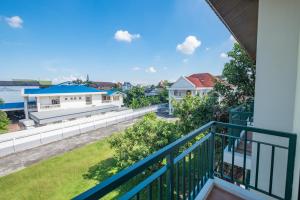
61,177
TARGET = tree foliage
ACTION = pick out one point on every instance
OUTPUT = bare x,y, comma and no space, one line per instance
4,121
239,78
194,111
135,98
143,138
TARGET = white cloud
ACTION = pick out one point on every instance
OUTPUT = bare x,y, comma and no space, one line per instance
125,36
14,22
231,38
185,60
151,70
136,68
71,77
207,48
223,55
189,45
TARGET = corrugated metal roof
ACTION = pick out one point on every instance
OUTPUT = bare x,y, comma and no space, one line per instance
16,105
57,89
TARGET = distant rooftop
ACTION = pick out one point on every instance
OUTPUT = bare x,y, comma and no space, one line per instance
60,89
19,83
202,79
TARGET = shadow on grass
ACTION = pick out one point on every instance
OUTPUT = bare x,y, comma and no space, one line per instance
105,169
102,170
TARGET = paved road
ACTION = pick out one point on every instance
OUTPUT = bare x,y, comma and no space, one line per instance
18,161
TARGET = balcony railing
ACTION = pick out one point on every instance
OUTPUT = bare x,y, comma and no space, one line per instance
240,115
183,167
50,106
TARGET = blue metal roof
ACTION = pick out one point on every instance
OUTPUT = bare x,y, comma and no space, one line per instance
16,105
62,89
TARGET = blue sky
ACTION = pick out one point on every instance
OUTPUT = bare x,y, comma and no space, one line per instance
142,41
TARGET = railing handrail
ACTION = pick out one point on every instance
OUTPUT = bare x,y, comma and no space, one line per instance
123,176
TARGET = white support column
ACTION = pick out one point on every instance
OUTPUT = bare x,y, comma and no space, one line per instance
26,107
277,91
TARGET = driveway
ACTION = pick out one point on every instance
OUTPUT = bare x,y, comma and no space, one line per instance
21,160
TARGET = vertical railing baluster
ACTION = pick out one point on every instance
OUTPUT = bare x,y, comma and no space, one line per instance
257,165
170,178
150,191
138,196
183,178
222,154
290,167
199,167
271,170
160,188
194,175
244,161
201,164
177,180
232,161
212,152
189,177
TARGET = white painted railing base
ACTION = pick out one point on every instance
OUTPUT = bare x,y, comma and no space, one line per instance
26,139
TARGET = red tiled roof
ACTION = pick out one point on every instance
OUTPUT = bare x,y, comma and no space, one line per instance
202,80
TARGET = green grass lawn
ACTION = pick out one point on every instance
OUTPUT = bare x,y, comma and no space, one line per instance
63,176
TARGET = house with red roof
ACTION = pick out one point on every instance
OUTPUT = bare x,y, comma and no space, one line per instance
195,84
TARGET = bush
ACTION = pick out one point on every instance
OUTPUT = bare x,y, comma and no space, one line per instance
4,121
142,139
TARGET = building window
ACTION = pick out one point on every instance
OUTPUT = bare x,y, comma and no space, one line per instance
105,98
116,98
176,92
188,92
66,99
88,100
74,98
79,98
55,101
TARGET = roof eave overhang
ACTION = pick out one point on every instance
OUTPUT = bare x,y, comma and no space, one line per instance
240,17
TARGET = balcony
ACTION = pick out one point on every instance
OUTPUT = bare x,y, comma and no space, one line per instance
195,169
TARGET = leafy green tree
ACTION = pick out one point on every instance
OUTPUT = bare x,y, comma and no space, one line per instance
4,121
239,78
194,111
143,138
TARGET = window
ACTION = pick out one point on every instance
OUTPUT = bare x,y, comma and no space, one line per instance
105,98
116,98
188,92
74,98
79,98
88,100
66,99
55,101
176,92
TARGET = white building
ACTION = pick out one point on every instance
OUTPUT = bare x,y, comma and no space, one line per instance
195,84
71,101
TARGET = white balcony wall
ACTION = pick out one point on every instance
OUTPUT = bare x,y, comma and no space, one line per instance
278,69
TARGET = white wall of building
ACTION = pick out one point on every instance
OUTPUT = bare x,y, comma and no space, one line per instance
11,94
277,68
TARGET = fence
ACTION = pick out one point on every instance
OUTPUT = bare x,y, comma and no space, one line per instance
21,140
180,171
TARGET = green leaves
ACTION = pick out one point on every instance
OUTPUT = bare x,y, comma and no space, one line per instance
4,121
194,111
239,74
143,138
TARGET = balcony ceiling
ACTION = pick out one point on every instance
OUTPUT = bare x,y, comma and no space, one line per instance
240,17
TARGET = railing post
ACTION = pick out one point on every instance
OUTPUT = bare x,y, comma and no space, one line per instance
212,151
170,178
290,167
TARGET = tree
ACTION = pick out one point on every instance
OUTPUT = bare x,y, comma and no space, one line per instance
239,78
4,121
143,138
194,111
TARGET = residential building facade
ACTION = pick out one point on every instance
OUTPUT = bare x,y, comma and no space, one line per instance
195,84
68,97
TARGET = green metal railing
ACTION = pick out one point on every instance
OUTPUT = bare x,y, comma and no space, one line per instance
240,115
184,166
